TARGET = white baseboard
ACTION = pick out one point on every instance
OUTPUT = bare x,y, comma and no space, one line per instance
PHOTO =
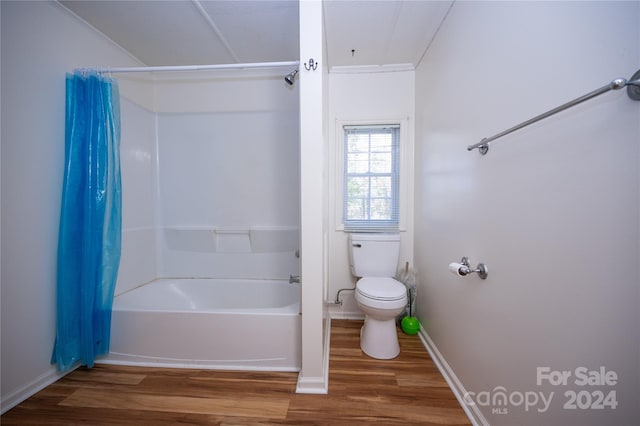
318,385
338,314
472,411
30,389
313,385
162,363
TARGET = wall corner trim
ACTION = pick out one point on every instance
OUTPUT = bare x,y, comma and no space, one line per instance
318,385
472,411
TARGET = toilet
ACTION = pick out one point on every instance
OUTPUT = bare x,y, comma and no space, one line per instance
373,258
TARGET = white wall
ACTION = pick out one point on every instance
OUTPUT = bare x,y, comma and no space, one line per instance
313,376
40,42
382,97
553,209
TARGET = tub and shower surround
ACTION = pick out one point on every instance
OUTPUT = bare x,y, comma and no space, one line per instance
211,191
211,178
243,315
209,323
240,252
228,179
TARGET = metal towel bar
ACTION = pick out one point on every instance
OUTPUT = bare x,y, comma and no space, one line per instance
633,91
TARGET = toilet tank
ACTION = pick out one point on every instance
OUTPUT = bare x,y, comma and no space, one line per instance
374,255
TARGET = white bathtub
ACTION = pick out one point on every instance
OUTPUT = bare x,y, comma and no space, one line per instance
208,323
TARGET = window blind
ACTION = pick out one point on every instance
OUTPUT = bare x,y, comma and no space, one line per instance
371,178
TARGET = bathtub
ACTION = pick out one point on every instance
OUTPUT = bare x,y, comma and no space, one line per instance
208,323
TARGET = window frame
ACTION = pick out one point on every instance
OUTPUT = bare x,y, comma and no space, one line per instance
397,221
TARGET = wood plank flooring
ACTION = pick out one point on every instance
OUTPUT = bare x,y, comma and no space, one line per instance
408,390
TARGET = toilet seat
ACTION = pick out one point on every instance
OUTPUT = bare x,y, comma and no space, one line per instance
381,288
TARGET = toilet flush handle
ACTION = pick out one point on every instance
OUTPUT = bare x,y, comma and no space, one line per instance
356,245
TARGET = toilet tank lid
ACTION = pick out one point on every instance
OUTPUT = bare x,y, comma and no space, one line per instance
381,288
374,237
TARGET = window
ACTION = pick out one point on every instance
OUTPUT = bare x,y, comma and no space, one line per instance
371,178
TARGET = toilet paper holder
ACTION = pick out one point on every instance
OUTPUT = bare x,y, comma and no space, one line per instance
464,268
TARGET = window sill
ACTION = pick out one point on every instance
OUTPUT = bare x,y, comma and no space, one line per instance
340,228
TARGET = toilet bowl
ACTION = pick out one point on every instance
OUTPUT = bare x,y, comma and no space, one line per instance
374,258
381,299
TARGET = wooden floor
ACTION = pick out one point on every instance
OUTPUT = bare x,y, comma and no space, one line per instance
404,391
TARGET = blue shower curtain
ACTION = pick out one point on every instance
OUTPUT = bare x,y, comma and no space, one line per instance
90,222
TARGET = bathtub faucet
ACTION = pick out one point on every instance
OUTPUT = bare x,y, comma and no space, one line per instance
294,279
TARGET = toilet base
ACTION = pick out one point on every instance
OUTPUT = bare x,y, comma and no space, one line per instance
379,339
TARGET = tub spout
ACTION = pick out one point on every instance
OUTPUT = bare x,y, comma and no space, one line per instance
294,279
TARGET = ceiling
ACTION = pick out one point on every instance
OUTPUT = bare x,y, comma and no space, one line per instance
193,32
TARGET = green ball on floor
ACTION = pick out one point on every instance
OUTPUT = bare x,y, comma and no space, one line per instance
410,325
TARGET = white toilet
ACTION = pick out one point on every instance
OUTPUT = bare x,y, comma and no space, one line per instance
374,258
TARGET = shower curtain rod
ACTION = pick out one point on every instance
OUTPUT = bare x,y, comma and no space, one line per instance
194,67
633,91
